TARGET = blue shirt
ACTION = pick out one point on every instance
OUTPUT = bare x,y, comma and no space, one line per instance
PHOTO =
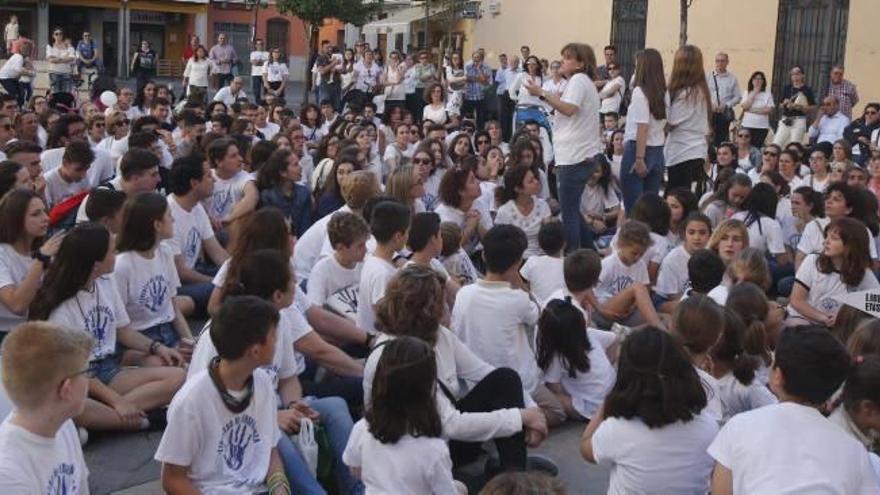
297,208
476,90
87,50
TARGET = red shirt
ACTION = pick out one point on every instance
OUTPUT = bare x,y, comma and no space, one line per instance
188,52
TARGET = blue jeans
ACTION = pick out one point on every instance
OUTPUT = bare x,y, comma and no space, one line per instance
570,183
634,186
257,86
164,333
61,83
338,424
329,92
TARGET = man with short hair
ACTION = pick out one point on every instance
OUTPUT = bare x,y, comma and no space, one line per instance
259,57
262,124
27,154
192,128
9,106
479,76
138,173
504,77
860,131
831,122
7,133
87,54
224,57
424,74
232,93
725,94
524,53
124,99
846,93
161,109
329,66
70,178
610,53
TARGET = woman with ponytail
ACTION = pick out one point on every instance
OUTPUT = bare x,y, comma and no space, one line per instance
859,411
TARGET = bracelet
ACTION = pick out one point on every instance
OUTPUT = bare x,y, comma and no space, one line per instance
42,258
278,480
154,346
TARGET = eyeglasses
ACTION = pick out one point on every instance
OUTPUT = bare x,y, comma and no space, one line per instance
90,372
770,153
870,112
99,124
482,141
422,161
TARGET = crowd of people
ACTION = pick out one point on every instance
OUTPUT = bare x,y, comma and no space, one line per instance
415,272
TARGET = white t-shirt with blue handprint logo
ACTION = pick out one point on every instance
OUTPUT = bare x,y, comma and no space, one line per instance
30,463
227,192
147,286
825,287
226,453
98,310
191,228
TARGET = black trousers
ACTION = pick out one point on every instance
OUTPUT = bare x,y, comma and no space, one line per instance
682,175
477,108
500,389
505,115
758,136
720,128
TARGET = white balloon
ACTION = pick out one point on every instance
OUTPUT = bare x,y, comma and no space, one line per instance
108,98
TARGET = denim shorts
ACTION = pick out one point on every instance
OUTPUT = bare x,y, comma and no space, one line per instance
164,333
106,368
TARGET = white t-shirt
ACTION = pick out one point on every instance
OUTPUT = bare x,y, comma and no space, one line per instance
375,275
597,201
656,253
197,72
31,463
147,286
101,169
737,398
544,274
495,321
300,301
616,277
191,228
227,192
335,286
714,409
587,390
673,277
719,294
58,189
764,234
762,100
275,71
451,214
435,115
13,269
99,311
823,288
813,238
577,138
13,67
689,119
788,448
639,112
284,363
269,130
671,458
508,213
455,364
258,56
411,465
310,244
226,453
226,95
367,77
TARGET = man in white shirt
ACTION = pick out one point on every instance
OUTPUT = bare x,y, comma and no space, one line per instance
261,122
232,93
790,447
7,133
70,178
830,124
124,99
725,94
191,182
46,375
259,57
504,76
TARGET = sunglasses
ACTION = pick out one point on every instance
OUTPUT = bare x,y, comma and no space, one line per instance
8,127
422,161
744,135
482,141
99,124
770,153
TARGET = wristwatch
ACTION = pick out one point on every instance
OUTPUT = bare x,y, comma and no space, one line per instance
542,96
42,258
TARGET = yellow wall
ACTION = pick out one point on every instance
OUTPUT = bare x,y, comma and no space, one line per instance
545,25
718,25
862,49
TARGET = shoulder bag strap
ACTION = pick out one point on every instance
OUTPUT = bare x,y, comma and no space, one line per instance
717,94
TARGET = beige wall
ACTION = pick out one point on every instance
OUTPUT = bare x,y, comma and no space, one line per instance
545,25
717,25
862,50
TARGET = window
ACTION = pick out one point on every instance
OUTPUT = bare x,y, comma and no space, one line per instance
276,34
628,25
812,34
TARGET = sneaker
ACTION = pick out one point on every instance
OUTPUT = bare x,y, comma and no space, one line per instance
622,331
542,464
83,436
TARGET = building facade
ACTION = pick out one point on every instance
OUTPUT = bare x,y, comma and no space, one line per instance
765,35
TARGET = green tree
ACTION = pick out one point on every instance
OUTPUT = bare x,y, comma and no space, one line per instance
312,13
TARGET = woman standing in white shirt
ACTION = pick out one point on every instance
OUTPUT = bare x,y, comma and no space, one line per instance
60,63
757,103
23,222
613,90
641,169
658,439
520,206
577,142
275,74
456,80
687,118
195,75
435,110
392,81
528,107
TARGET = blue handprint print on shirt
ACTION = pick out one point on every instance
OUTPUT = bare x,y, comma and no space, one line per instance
153,293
